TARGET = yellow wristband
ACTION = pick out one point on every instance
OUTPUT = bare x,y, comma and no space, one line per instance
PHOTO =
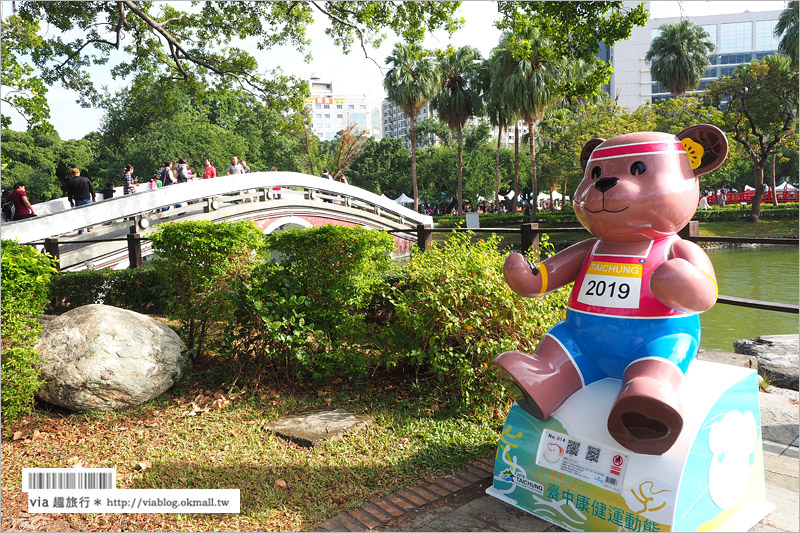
716,287
543,272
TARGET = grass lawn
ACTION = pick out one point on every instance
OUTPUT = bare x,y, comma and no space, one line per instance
160,446
743,228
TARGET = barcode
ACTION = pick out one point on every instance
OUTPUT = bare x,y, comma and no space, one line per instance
610,480
68,479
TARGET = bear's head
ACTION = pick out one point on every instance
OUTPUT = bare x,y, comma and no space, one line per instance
643,186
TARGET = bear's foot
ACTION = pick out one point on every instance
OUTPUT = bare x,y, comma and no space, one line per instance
541,382
647,416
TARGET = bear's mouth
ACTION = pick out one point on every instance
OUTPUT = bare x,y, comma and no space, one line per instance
604,210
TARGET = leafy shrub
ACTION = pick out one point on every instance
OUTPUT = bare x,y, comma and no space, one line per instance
24,280
136,289
305,311
196,262
455,314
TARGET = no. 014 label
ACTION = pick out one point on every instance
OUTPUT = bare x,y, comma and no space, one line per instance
596,464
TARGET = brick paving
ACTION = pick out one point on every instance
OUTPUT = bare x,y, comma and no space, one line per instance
379,512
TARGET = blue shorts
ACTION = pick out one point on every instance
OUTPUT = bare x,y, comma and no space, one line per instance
603,346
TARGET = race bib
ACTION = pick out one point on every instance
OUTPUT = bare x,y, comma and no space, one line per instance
616,285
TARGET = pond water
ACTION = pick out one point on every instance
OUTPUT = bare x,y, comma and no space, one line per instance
766,272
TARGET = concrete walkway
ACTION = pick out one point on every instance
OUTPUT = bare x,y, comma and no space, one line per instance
458,502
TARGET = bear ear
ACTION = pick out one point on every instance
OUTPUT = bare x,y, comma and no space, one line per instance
707,147
588,148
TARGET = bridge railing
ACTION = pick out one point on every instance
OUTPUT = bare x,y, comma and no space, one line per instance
145,206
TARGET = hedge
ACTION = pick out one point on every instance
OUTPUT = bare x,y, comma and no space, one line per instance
567,218
136,289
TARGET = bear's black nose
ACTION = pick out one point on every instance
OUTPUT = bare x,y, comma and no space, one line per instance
604,184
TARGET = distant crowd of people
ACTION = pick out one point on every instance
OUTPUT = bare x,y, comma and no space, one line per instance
80,190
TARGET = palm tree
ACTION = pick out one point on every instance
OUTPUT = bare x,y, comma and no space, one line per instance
679,56
410,84
787,26
534,85
494,71
459,97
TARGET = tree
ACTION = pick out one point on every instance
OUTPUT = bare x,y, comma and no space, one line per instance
576,30
459,97
431,131
496,108
410,83
759,110
196,45
786,29
23,92
531,88
382,167
679,56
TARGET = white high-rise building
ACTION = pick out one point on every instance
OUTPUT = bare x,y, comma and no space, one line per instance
395,123
738,37
332,113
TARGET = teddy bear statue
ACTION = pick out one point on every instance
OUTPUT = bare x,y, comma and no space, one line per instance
638,287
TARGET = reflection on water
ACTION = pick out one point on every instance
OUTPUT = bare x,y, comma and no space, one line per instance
768,273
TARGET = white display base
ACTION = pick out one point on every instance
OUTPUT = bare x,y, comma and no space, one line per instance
569,471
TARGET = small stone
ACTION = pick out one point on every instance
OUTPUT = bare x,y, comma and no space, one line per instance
314,426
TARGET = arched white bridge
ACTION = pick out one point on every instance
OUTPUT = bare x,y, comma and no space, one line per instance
272,200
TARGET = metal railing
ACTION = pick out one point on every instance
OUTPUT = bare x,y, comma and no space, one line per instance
529,240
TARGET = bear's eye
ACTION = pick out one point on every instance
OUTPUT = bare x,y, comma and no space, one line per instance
638,168
596,173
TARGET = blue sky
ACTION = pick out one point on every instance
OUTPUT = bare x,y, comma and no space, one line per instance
354,74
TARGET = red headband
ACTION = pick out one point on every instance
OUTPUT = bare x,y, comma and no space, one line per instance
643,148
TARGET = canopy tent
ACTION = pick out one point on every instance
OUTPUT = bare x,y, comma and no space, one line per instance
749,188
785,186
403,199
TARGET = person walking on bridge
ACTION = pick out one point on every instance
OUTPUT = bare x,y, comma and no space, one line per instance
80,191
235,167
128,183
22,206
210,171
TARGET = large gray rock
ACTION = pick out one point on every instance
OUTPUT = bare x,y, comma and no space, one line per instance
778,357
103,357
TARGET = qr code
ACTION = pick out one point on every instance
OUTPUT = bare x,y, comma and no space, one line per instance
572,448
592,454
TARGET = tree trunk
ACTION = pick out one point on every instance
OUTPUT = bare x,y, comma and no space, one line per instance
413,139
497,169
460,171
516,162
758,175
563,194
551,200
774,192
534,184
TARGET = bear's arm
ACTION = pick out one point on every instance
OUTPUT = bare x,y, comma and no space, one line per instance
686,281
554,272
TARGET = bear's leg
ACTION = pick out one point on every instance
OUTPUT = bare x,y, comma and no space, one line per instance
541,382
647,416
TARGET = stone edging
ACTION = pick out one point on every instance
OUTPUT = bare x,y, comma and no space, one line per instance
380,511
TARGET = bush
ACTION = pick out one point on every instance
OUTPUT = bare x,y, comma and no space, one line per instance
455,314
136,289
24,280
196,262
305,312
